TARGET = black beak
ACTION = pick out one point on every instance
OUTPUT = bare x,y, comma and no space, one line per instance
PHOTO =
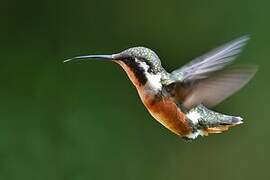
89,57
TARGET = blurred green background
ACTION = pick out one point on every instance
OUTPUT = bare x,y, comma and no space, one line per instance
85,121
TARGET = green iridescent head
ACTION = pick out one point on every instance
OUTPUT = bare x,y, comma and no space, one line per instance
143,54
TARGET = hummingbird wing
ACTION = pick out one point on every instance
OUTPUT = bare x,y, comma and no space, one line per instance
208,63
219,86
204,80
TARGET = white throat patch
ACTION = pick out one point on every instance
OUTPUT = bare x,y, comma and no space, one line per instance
153,80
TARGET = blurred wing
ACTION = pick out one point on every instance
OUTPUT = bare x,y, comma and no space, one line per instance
218,87
215,60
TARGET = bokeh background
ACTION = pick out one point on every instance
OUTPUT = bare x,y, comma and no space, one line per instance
84,120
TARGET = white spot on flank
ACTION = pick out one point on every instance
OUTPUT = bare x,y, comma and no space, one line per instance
193,116
196,134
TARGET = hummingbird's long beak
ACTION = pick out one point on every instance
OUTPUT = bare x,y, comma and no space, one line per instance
89,57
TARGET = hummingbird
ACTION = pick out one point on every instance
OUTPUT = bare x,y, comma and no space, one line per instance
180,100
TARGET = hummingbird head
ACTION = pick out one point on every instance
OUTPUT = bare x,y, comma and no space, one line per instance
142,65
142,57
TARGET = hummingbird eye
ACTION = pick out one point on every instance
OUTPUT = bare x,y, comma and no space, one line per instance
147,63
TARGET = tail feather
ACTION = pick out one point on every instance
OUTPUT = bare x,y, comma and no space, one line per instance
206,121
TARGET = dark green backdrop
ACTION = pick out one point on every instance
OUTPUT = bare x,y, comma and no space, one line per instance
85,121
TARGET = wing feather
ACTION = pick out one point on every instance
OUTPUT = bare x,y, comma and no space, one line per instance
213,61
207,79
218,87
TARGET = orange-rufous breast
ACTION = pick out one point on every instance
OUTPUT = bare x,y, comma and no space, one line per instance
167,113
164,110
